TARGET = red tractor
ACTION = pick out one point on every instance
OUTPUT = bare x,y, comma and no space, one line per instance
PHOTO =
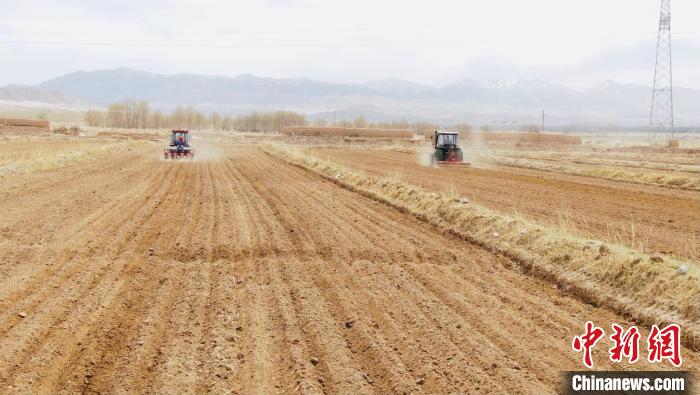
179,146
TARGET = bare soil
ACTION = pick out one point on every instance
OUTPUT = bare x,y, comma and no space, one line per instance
648,218
244,274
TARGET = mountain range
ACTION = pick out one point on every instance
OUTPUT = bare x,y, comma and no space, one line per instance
478,102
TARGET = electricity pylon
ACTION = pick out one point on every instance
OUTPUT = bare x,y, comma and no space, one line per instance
661,118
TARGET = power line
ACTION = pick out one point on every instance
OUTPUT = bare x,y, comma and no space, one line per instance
182,33
222,45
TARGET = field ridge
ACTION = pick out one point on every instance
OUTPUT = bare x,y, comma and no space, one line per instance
675,181
623,279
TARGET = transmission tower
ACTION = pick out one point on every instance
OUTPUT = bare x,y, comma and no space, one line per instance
661,119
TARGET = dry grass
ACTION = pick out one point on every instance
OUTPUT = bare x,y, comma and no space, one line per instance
41,156
626,280
688,165
530,138
629,233
346,132
678,158
396,148
154,136
515,137
657,179
686,168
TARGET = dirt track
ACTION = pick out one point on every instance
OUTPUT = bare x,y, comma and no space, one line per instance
234,273
648,218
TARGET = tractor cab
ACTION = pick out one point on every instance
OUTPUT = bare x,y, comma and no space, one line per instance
447,151
446,139
180,138
179,146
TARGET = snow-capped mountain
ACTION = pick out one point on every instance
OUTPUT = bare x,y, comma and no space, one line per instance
498,101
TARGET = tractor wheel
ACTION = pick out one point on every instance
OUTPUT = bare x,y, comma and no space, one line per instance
440,156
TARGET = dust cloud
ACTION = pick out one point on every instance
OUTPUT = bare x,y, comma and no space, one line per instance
424,155
206,151
475,149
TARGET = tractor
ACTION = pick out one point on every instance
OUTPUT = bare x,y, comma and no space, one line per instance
447,150
179,146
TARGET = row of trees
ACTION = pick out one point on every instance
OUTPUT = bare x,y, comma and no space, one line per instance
133,114
361,122
267,122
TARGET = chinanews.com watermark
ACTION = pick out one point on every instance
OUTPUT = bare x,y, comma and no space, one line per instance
657,382
662,346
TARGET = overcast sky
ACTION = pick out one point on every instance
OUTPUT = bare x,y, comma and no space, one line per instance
578,43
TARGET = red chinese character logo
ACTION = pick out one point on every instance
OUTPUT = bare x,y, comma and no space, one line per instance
665,344
587,341
626,344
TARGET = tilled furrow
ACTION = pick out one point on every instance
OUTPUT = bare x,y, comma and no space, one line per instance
243,274
114,222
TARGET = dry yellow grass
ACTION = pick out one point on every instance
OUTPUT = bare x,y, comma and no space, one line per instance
42,156
649,289
515,137
533,138
346,132
688,165
687,168
637,177
678,159
670,158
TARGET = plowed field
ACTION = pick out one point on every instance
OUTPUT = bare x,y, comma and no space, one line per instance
247,275
647,218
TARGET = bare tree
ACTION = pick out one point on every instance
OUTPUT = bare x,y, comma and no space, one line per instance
142,111
360,122
215,121
95,118
134,114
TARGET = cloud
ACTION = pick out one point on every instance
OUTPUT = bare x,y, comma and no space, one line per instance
632,64
339,40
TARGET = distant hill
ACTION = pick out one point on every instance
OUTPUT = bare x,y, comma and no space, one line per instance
493,102
20,93
23,101
106,86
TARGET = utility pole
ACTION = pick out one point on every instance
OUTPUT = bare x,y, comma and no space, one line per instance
661,118
333,117
542,130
